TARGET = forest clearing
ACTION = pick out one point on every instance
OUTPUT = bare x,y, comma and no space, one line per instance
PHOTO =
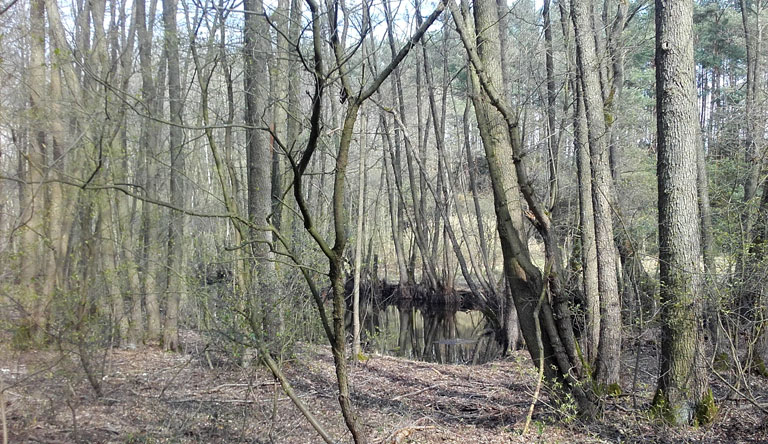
157,397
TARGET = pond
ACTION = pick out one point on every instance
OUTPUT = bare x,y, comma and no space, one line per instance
444,330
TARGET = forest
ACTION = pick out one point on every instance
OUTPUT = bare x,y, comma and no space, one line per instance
392,221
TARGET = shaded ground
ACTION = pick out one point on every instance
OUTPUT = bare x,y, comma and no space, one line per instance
153,397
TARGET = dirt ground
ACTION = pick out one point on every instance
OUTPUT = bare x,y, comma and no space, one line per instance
151,396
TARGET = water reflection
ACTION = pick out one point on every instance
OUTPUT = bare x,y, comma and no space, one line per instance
445,329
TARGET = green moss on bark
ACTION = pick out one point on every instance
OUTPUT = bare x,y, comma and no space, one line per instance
707,410
704,412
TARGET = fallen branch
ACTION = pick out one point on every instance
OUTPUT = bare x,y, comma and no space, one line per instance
222,401
415,393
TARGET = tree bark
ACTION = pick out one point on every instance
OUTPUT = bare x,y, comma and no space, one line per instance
33,204
175,289
148,139
558,349
262,300
552,145
588,246
496,140
359,238
609,348
682,394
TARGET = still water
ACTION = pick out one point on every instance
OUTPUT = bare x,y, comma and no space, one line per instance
428,332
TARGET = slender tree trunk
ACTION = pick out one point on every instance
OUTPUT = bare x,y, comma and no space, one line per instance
147,141
750,267
59,221
33,204
175,289
615,48
279,78
609,348
472,167
109,268
753,40
588,245
419,223
359,239
552,145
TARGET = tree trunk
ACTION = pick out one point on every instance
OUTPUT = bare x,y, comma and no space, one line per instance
148,139
683,394
554,344
497,143
32,207
175,289
552,146
109,268
609,348
263,300
359,238
588,247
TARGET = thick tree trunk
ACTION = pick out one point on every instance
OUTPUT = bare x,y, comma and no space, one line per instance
546,326
497,143
682,395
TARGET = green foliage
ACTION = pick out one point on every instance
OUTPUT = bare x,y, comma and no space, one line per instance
565,404
719,35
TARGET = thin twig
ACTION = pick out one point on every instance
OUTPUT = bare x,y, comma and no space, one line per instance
750,399
537,323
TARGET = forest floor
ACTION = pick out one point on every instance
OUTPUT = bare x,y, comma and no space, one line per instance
151,396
